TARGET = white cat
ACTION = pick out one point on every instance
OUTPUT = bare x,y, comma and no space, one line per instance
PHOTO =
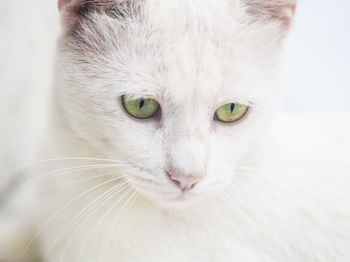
162,112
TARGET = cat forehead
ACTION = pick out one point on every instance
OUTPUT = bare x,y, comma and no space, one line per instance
197,50
168,49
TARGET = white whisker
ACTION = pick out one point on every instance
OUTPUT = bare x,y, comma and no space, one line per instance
118,187
76,231
60,210
61,159
69,170
116,219
96,226
77,181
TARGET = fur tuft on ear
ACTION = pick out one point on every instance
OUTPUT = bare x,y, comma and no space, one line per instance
282,10
72,11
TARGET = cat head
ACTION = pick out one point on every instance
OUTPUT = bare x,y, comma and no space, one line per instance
180,90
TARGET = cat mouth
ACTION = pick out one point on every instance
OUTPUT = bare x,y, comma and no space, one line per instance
177,195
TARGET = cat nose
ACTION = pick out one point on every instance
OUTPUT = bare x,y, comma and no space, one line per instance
183,181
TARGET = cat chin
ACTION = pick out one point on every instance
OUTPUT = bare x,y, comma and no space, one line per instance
170,200
180,202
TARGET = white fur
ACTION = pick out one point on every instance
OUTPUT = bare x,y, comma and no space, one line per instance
259,201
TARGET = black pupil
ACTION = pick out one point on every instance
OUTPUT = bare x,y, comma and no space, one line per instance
232,108
142,103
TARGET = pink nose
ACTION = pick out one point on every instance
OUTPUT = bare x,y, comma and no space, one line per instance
183,181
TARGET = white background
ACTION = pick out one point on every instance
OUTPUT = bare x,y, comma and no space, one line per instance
318,58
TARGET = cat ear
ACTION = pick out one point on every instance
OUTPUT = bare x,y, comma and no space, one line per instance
69,10
280,10
72,11
63,3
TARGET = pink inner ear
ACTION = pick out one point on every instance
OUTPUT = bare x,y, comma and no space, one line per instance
278,9
285,13
62,4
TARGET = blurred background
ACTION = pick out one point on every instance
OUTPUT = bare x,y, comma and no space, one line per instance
318,58
317,66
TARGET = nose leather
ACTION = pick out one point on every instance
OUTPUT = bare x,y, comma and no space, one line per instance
183,181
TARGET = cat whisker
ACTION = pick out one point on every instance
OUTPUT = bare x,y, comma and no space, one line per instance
80,180
118,188
81,224
32,164
69,170
62,209
82,251
116,218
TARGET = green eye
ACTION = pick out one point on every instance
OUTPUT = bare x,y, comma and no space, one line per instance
141,108
232,112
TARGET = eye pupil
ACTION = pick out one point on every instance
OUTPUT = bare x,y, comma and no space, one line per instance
232,107
142,103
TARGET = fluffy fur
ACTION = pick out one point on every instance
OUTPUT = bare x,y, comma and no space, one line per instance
192,56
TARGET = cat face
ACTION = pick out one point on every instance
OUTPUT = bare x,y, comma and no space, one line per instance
142,82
